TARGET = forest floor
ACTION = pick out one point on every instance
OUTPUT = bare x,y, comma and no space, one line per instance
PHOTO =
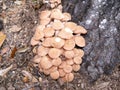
19,19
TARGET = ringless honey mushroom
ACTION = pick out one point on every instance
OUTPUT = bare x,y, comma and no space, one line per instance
71,25
48,32
80,30
57,42
45,62
80,41
56,62
54,75
47,42
45,14
39,32
54,53
57,25
76,67
66,33
56,37
56,14
42,51
69,44
69,54
66,17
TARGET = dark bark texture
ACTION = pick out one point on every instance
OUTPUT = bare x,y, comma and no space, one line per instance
101,18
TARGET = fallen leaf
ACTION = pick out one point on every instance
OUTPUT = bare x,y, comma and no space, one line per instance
4,50
13,52
15,28
2,38
4,71
21,50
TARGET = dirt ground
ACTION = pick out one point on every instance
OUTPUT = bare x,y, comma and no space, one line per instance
20,19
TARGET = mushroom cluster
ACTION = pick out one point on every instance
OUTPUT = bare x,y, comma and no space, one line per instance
56,37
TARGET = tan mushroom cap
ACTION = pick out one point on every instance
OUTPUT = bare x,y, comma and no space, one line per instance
57,25
45,14
54,52
69,77
54,75
69,44
61,72
47,42
56,14
42,51
63,64
34,42
67,68
76,67
48,32
77,60
80,30
69,54
80,41
66,33
39,32
57,42
78,52
56,62
70,61
45,21
66,17
40,68
45,62
71,25
36,59
46,71
53,69
55,1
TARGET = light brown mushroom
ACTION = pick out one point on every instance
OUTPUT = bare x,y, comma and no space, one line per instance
70,61
57,42
77,60
63,64
57,25
47,42
45,14
46,71
45,21
66,17
54,75
48,32
39,32
80,30
69,54
71,25
54,52
69,77
80,41
56,14
66,33
45,62
53,69
69,44
78,52
42,51
34,42
76,67
67,68
36,59
61,72
56,62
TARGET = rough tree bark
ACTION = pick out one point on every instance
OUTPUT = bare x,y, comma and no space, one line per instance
101,18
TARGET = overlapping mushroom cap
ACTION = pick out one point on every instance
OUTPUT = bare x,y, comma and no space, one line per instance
56,37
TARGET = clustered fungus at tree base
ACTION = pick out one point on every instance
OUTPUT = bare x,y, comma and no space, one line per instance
56,37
